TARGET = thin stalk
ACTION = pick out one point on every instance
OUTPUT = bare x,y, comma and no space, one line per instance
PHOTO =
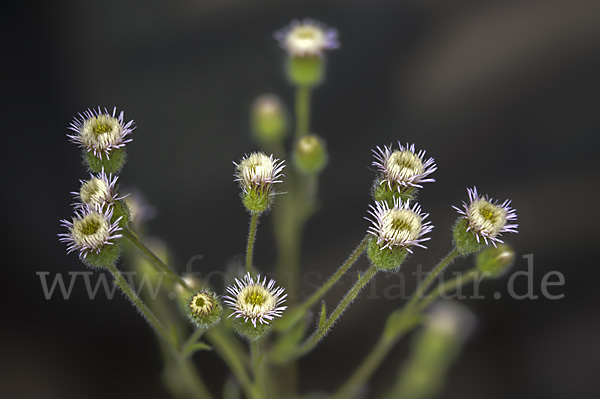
233,360
384,345
447,286
422,288
193,339
145,310
251,239
311,342
257,367
314,298
135,240
302,108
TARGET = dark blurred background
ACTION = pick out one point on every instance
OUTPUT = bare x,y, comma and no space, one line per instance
504,95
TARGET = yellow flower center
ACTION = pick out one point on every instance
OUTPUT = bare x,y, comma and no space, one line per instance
403,165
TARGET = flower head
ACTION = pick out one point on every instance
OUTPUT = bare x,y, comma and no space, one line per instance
98,190
256,173
255,300
90,230
486,218
398,226
100,132
307,38
204,309
403,167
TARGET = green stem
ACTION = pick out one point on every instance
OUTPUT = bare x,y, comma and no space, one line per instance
453,254
186,349
251,239
447,286
232,359
311,342
257,367
146,312
302,106
385,343
135,240
336,276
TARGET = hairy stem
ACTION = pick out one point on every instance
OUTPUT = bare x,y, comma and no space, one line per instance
258,368
251,239
135,240
144,310
235,362
311,342
314,298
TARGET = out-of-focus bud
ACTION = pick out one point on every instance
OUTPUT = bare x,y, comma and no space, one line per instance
495,261
268,119
310,154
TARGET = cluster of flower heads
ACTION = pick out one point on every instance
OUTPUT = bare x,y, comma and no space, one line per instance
487,219
100,132
307,38
95,224
255,300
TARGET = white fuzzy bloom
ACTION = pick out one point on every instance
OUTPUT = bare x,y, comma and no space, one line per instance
100,132
257,301
307,38
487,218
404,167
258,171
399,226
90,230
100,189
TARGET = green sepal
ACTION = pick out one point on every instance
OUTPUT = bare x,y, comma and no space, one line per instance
257,200
307,71
113,164
107,256
381,191
247,331
465,241
385,259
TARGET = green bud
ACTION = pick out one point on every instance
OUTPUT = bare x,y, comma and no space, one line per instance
247,331
310,154
306,70
381,191
268,119
204,309
113,163
465,241
495,261
390,258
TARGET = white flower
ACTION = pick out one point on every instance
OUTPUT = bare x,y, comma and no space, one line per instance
258,171
100,132
202,303
307,38
403,167
98,190
399,226
487,219
255,300
90,230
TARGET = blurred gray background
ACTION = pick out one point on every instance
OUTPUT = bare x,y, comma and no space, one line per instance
504,95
